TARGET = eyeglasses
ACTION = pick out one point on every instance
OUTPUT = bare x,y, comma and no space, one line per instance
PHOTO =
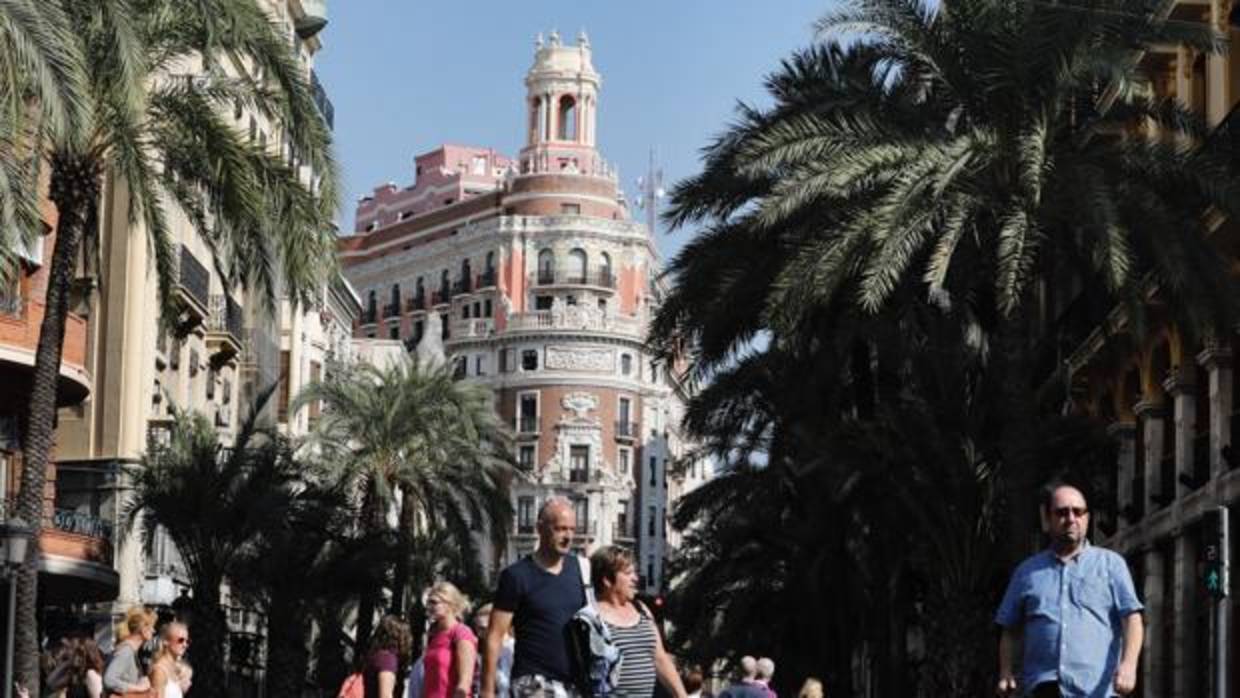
1079,512
179,640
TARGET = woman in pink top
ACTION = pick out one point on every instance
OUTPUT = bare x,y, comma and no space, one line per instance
452,648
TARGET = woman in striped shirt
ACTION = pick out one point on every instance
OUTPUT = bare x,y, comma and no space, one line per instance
643,659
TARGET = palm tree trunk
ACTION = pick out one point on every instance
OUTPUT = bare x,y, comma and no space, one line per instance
75,185
209,631
288,655
404,562
368,601
1018,440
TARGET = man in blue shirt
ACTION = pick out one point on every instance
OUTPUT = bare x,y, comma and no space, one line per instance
1077,608
537,597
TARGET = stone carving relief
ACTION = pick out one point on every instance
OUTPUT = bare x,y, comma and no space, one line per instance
580,359
577,317
580,404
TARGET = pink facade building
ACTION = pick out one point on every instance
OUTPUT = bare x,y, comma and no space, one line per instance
530,276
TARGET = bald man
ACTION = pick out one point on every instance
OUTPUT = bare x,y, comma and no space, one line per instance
1078,611
537,597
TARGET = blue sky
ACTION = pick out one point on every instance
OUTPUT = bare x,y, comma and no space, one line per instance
406,75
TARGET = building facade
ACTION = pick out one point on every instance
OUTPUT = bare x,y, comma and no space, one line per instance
214,358
1171,404
530,276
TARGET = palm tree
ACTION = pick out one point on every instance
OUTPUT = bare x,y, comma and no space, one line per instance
169,141
416,439
41,88
980,152
214,503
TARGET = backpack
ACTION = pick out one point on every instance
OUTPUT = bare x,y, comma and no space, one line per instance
596,659
353,687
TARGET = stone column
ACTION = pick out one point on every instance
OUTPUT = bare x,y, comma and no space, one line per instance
1184,648
1151,417
1153,650
1124,434
1181,386
1217,361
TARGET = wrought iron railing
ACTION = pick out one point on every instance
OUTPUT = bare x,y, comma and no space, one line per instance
194,278
226,316
627,430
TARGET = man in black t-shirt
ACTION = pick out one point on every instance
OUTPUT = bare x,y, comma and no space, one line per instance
538,596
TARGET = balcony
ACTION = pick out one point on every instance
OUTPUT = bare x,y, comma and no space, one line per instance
193,288
225,329
527,425
579,475
620,530
575,317
601,278
487,279
322,101
586,528
627,430
20,320
476,328
415,304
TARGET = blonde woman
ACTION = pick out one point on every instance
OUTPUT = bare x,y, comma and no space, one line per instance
169,678
812,688
452,649
123,675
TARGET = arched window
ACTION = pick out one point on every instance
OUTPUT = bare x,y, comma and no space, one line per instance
546,266
577,265
567,119
605,269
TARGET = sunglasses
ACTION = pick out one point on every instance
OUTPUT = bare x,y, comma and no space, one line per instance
1062,512
179,640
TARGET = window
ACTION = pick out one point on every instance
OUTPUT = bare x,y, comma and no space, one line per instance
479,165
605,267
654,470
479,366
417,332
525,458
477,309
459,366
566,120
525,514
650,573
527,422
443,325
394,332
211,373
529,360
316,375
570,300
624,460
486,308
570,209
505,360
622,519
546,266
465,312
650,527
577,260
282,404
654,372
625,406
543,302
626,364
581,508
579,463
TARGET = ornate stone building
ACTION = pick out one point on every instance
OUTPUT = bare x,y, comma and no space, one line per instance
534,280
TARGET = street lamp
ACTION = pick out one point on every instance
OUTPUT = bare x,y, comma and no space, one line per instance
15,536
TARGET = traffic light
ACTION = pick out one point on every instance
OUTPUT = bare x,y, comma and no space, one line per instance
1215,552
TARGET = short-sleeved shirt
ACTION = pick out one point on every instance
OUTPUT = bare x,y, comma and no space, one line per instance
379,661
439,677
542,604
1072,613
744,689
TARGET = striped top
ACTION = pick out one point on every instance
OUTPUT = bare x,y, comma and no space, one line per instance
636,643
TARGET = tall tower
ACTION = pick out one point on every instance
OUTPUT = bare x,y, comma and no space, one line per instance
561,101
